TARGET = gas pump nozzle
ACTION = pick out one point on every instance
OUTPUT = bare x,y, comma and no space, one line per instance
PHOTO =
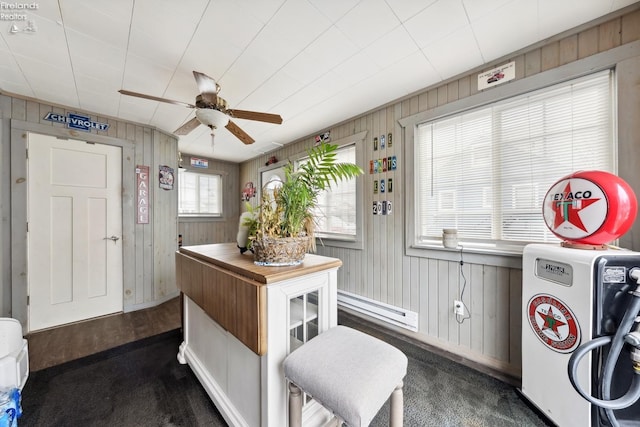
616,341
633,339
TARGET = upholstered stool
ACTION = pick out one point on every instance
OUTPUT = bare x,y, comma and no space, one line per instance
350,373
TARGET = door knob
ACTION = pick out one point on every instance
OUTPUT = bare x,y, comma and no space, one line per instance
112,238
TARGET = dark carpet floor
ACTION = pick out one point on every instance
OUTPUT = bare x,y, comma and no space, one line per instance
142,384
137,384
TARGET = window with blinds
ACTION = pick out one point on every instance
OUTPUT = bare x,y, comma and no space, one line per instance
199,194
335,213
486,171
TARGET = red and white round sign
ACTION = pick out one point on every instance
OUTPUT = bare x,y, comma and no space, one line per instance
553,323
590,207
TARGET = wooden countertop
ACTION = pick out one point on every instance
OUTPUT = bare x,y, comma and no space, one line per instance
228,256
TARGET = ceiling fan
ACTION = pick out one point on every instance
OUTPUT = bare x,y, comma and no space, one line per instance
212,110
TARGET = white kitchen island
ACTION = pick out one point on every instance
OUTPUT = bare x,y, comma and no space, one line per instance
241,320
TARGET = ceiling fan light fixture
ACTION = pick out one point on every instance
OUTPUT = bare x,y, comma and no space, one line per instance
211,117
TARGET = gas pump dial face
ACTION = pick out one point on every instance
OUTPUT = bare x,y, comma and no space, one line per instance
590,207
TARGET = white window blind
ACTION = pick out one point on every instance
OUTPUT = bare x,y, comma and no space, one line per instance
199,194
486,171
336,208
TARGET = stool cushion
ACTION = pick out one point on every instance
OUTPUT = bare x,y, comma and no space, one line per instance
347,371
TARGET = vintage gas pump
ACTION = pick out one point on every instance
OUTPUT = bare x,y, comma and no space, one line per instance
581,307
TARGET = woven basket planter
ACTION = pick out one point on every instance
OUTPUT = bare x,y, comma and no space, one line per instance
277,252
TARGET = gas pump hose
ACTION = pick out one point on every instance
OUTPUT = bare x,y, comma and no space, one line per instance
633,394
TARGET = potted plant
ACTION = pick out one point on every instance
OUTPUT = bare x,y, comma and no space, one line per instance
281,228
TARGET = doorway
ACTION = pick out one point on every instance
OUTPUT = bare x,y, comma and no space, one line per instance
74,243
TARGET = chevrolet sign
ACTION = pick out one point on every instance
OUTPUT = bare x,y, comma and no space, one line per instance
76,121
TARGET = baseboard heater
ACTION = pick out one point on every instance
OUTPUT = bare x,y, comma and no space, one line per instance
391,314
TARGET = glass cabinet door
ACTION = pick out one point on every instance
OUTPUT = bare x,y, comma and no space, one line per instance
303,319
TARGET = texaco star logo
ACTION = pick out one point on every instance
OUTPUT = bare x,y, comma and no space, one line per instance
575,208
553,323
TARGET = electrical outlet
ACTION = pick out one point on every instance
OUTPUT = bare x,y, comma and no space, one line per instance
458,308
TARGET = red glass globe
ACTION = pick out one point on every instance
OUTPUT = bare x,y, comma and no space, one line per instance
590,207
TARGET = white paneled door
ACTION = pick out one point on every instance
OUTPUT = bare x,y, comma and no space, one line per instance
75,230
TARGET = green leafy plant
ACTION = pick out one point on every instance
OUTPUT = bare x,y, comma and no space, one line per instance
288,210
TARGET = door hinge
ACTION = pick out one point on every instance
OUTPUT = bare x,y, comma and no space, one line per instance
27,227
27,154
28,300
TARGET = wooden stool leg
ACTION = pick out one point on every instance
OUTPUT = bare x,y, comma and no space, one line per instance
396,407
295,406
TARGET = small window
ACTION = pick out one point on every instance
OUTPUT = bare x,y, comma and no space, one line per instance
336,213
199,194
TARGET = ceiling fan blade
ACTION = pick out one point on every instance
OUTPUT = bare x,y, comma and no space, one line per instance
206,85
155,98
254,115
239,133
187,127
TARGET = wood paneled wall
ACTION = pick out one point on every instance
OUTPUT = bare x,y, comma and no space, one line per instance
148,249
429,282
200,231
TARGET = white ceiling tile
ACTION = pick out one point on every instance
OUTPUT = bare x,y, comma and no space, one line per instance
47,9
357,68
136,109
246,75
172,116
61,95
367,22
95,84
213,61
387,87
619,4
10,73
436,21
477,9
17,87
454,54
262,10
90,100
48,45
508,29
272,92
321,56
334,9
396,45
3,44
300,101
228,18
145,77
38,80
405,9
296,25
160,31
90,56
104,21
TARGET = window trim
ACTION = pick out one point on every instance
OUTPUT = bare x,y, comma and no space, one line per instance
197,217
508,256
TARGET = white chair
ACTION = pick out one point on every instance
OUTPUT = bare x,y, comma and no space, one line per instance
14,355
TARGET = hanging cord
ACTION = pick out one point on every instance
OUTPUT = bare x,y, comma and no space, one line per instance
460,319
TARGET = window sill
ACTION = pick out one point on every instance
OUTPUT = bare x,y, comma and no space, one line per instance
339,242
510,257
202,218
